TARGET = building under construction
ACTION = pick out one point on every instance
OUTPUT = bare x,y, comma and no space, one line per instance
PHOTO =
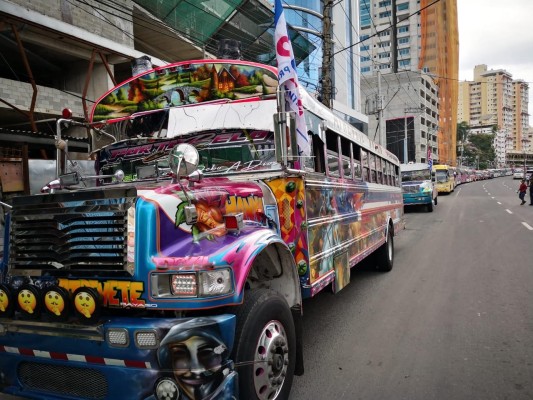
414,41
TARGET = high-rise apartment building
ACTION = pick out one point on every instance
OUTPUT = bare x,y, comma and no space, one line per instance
419,36
494,98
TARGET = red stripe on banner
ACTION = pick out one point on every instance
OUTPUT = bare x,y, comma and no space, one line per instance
26,352
134,364
59,356
2,348
95,360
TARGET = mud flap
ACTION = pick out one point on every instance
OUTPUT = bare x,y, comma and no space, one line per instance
297,317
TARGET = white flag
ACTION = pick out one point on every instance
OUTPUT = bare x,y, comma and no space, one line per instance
288,77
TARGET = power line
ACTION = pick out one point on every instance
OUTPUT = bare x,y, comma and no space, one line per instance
378,32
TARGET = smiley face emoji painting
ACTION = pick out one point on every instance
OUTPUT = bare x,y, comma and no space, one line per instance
85,303
54,302
4,301
27,301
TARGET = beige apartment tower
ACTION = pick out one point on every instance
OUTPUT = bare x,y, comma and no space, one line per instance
493,98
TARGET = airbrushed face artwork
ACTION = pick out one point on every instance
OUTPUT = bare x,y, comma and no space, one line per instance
196,353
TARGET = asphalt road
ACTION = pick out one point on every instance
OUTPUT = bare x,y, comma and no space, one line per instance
453,320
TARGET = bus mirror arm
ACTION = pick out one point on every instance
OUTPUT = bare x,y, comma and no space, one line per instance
285,137
280,125
293,155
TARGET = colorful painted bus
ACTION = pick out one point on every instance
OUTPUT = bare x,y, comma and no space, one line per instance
418,187
445,178
178,270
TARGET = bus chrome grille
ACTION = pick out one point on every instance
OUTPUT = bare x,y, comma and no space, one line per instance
83,383
84,230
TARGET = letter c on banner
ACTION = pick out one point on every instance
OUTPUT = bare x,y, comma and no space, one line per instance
280,48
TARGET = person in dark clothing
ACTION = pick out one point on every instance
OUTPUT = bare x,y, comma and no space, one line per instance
531,190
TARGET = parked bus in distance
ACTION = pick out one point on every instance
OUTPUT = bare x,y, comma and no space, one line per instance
178,270
445,178
462,176
418,186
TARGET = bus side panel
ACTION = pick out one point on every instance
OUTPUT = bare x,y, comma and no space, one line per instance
290,197
346,223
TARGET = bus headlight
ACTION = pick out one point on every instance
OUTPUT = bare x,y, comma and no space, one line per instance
207,283
426,188
117,337
146,339
216,282
184,285
167,389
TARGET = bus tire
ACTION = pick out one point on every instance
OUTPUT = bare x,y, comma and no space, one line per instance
265,346
430,206
385,254
435,200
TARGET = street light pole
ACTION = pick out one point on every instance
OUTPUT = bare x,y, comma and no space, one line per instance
405,140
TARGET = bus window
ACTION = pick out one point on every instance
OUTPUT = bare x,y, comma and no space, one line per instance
332,153
318,152
372,165
379,170
364,163
356,161
346,167
357,169
346,151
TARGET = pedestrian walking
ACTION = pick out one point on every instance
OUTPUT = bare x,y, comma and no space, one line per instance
522,191
531,189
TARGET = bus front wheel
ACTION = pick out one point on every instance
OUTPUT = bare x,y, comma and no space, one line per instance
265,346
385,254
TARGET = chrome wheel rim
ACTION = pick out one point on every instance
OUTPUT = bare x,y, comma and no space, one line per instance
271,361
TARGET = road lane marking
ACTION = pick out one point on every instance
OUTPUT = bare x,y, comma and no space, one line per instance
509,211
498,202
527,226
492,197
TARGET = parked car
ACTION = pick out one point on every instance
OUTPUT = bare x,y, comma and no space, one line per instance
518,175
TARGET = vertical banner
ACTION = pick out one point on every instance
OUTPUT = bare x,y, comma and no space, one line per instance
288,77
430,159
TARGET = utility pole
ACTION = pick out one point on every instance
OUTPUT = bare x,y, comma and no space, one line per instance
327,84
381,120
394,40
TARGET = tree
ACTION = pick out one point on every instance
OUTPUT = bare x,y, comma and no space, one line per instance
476,147
482,143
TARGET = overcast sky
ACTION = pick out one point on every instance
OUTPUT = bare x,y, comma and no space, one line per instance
498,34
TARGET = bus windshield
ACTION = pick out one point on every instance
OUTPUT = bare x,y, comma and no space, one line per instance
221,152
442,176
420,175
